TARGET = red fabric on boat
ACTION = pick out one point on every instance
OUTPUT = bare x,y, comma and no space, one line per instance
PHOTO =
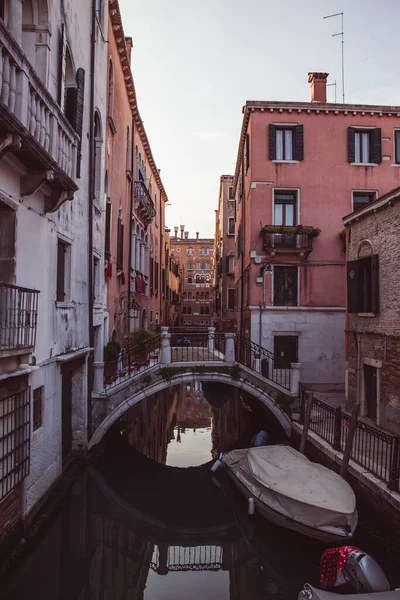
332,562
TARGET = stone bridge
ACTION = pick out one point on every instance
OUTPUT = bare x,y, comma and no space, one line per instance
225,358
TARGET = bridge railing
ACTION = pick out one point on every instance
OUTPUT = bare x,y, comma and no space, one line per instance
262,361
131,361
192,346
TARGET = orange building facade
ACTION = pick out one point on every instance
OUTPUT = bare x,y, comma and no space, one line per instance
134,203
196,260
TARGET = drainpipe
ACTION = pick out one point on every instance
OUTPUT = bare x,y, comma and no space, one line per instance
132,183
259,326
161,321
90,217
243,245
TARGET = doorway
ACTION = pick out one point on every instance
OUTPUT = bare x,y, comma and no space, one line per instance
285,351
371,392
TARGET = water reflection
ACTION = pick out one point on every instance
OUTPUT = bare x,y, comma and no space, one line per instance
136,526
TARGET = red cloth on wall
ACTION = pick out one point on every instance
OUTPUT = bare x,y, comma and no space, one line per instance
140,285
332,562
109,270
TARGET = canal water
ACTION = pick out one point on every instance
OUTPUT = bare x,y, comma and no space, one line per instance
148,521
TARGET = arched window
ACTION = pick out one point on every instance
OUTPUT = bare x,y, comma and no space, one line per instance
197,278
111,85
202,310
189,295
207,295
207,310
197,296
202,296
189,310
202,279
184,310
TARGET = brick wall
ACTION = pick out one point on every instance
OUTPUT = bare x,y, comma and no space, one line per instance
378,233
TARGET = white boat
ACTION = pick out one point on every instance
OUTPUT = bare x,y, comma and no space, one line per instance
293,492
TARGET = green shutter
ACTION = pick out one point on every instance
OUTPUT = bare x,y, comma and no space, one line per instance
353,269
375,283
351,146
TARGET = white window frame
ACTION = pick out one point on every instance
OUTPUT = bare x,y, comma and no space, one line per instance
286,189
377,364
362,192
231,220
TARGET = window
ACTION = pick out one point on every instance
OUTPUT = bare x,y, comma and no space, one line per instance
285,207
285,351
178,249
397,146
14,440
230,193
364,145
37,407
231,298
190,251
285,286
189,311
190,266
190,279
111,85
151,317
98,142
96,279
286,142
371,392
128,151
363,285
231,226
120,245
63,271
230,264
361,199
107,234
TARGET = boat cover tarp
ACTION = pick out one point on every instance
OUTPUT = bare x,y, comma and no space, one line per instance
290,484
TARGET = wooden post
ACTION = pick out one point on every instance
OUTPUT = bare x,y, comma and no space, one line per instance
307,417
302,407
349,441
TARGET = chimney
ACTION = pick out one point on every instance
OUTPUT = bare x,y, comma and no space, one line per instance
176,229
197,235
129,46
182,230
317,83
186,235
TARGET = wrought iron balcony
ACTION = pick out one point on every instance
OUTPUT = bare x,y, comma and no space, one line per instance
144,203
33,127
18,317
289,239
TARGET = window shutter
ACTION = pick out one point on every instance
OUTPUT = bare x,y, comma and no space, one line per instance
376,145
352,286
375,283
226,264
298,142
60,272
78,117
351,146
247,153
63,66
272,141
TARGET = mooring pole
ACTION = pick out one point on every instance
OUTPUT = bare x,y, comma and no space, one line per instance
349,441
307,418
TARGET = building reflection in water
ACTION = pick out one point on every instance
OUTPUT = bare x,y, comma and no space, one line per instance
112,543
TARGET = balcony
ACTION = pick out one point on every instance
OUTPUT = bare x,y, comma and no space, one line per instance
18,318
143,202
289,240
33,127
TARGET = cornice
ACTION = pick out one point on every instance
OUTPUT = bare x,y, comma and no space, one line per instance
119,36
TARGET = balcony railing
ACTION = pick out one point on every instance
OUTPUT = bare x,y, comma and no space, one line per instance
18,317
144,202
289,239
30,110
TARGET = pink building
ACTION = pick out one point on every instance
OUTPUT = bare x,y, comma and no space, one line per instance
301,167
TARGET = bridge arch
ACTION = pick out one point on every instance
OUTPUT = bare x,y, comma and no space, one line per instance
160,383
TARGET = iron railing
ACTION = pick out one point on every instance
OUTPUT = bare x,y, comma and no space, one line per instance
262,361
14,440
286,241
375,450
145,201
18,317
194,347
131,361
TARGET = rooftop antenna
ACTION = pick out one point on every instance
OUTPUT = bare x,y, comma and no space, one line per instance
327,85
342,34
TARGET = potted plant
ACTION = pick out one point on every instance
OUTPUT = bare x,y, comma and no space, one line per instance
110,356
138,342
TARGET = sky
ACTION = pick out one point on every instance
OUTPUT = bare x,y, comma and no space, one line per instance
196,62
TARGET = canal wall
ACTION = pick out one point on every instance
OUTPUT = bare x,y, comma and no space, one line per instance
369,490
